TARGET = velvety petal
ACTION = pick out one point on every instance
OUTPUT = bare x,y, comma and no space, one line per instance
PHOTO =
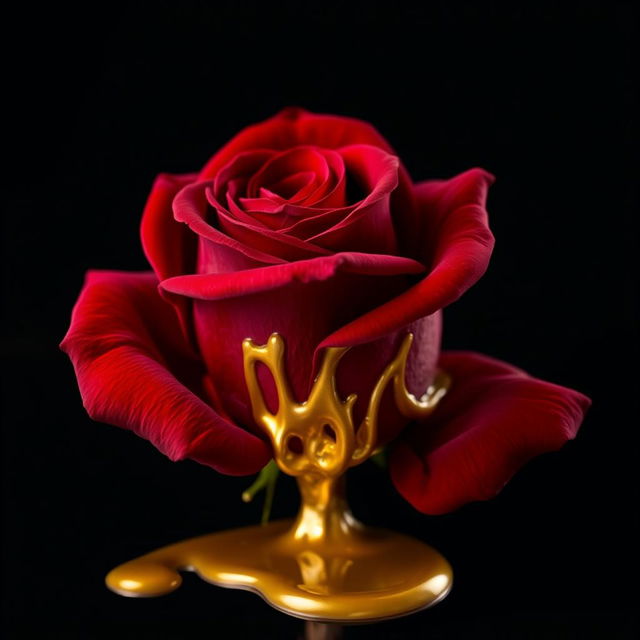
441,201
365,226
214,286
493,420
332,193
293,127
192,207
457,244
294,186
196,206
306,223
234,181
363,364
269,216
135,371
369,226
168,245
244,165
303,301
319,180
267,241
285,164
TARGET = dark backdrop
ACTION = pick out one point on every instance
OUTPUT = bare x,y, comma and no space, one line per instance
102,99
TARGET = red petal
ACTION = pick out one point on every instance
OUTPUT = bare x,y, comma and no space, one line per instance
241,168
286,163
293,127
216,286
168,245
135,371
191,207
369,227
457,245
493,420
303,301
267,241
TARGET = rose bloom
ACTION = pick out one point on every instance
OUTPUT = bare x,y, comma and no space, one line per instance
309,225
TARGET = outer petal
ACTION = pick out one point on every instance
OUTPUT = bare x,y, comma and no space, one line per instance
293,127
456,241
135,371
168,245
493,420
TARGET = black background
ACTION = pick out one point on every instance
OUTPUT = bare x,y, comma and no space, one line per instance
101,99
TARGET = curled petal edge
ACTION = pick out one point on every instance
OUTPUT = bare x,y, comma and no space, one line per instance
123,345
461,244
494,419
226,285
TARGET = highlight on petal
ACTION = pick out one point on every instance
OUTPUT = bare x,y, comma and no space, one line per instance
135,371
457,245
492,421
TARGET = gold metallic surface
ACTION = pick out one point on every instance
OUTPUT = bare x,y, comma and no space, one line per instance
324,565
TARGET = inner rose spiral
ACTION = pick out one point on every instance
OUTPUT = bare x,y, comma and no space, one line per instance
310,226
309,194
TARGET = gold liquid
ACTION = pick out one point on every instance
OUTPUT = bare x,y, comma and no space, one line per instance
378,574
324,565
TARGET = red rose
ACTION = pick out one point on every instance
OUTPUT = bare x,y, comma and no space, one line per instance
310,226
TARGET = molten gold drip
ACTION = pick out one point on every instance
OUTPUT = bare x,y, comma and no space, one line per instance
324,565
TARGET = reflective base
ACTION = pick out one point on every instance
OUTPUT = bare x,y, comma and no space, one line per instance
373,574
